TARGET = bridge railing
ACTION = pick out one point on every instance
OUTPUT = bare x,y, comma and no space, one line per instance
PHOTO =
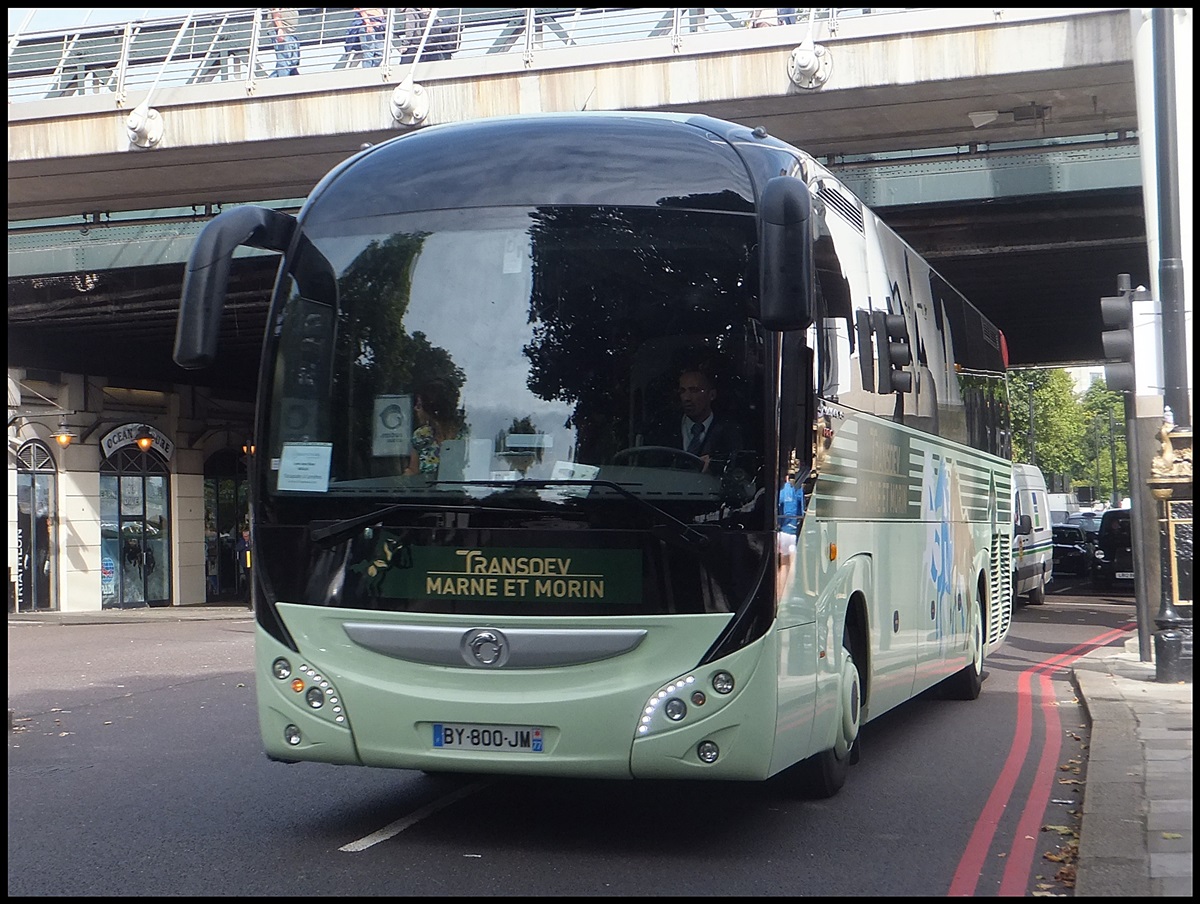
237,45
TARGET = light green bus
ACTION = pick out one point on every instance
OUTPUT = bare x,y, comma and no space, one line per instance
481,542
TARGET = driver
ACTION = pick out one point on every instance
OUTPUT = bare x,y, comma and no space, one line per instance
700,431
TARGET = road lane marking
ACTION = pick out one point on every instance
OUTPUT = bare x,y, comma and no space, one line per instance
395,828
970,867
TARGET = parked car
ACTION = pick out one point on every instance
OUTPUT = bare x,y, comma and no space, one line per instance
1113,558
1072,551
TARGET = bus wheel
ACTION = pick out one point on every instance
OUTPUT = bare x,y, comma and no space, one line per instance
823,775
966,683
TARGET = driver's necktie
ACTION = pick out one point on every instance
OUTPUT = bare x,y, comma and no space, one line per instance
697,439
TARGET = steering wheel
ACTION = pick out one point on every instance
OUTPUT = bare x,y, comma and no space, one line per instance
681,459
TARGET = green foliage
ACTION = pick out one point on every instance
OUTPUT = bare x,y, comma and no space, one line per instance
1072,433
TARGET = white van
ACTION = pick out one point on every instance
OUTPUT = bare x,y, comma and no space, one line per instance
1033,538
1062,506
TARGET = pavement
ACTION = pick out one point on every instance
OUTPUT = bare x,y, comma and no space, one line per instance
1135,837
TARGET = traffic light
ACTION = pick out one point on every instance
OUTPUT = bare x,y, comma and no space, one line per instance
1117,312
892,351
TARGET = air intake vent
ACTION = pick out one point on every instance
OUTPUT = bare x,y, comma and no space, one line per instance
848,206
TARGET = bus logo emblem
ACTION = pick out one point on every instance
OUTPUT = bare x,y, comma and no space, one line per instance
485,647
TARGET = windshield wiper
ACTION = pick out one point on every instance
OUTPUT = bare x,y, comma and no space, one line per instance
330,530
682,530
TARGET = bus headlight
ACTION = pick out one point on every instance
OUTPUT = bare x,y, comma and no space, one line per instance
291,734
664,699
318,691
281,668
722,682
707,751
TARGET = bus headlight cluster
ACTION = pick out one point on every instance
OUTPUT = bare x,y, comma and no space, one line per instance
666,698
317,692
682,700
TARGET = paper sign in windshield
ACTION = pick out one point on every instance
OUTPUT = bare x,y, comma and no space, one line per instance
305,467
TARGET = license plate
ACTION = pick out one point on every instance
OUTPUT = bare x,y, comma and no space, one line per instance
1124,575
465,736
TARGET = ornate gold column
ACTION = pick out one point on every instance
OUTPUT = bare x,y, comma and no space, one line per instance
1171,485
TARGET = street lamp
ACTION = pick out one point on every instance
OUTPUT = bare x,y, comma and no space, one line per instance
1112,457
144,438
64,435
1031,434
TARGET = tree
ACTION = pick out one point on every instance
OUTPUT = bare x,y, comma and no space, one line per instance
1059,421
1104,411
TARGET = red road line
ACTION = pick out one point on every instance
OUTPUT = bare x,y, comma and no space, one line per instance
966,876
1020,858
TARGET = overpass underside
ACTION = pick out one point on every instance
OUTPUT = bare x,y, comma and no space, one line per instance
1034,243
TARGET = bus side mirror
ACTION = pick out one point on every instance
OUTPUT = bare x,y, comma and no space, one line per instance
1024,526
786,276
206,276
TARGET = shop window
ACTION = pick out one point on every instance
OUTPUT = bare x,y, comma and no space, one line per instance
34,586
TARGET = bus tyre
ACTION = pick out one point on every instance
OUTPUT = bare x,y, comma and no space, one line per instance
1037,595
966,683
823,775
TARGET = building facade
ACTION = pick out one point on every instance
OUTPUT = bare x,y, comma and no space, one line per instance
123,496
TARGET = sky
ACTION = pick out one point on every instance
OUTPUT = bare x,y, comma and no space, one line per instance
53,18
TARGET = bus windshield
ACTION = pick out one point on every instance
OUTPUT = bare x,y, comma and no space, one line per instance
462,351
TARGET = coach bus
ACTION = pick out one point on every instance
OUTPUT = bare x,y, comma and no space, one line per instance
472,552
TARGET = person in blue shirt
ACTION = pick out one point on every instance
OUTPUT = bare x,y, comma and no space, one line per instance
287,47
789,511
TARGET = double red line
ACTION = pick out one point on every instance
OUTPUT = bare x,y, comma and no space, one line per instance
1019,861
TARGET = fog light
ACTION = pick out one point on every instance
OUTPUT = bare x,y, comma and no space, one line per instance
707,751
722,683
281,668
675,709
291,734
315,697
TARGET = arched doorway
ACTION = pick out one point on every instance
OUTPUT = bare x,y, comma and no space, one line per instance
226,509
135,527
36,580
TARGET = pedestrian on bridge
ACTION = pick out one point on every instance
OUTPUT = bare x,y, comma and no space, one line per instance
287,47
365,36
